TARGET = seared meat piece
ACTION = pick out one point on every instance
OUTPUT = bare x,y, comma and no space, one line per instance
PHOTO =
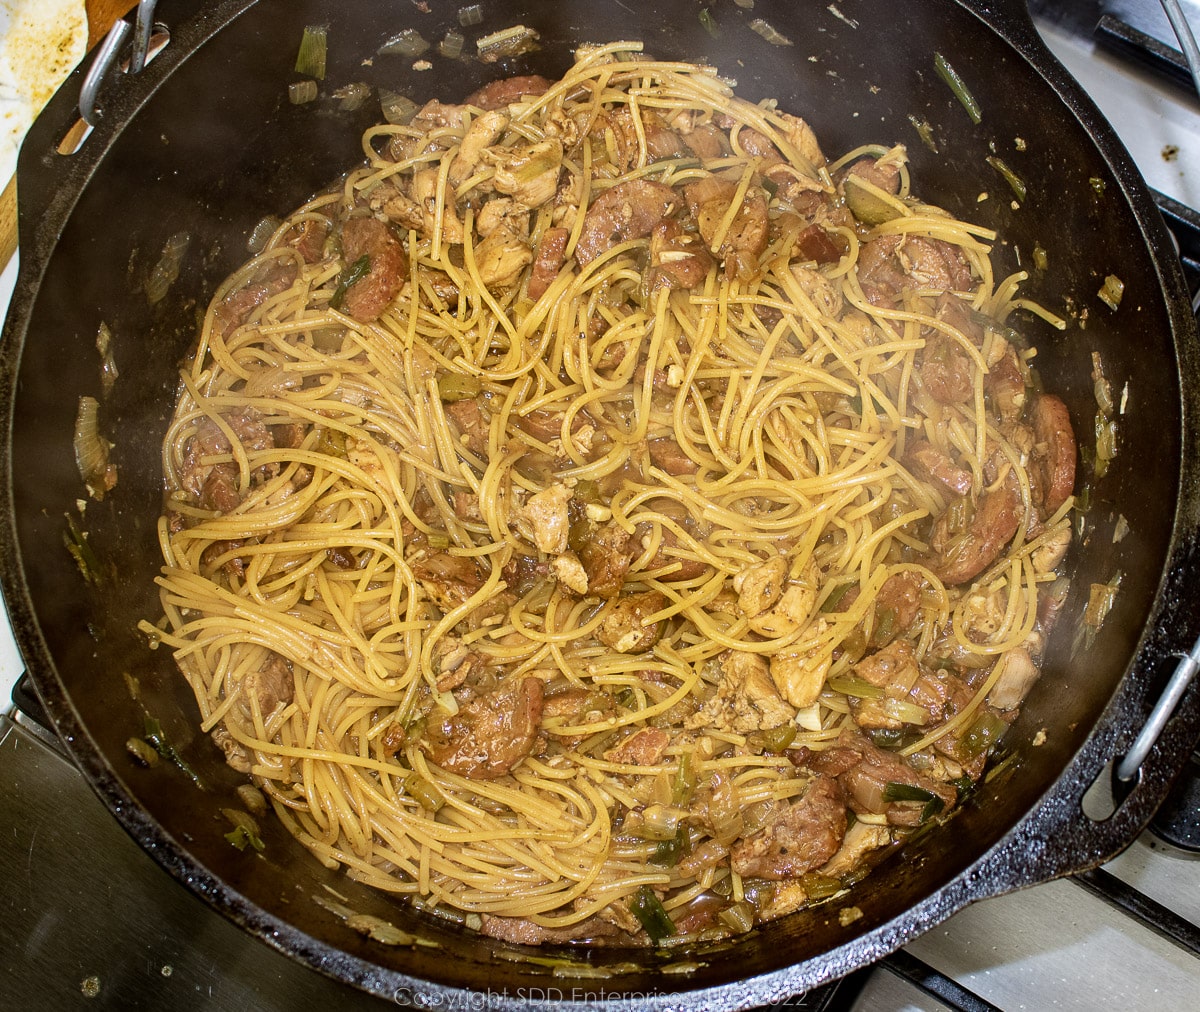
593,931
865,770
1054,454
498,94
449,580
1006,386
471,423
667,454
628,210
709,200
308,239
624,628
819,245
547,261
707,141
946,370
644,747
678,259
216,486
387,267
933,464
270,686
799,836
490,734
236,307
892,667
963,555
605,558
901,593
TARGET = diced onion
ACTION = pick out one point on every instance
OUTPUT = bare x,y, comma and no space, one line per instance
1111,291
408,43
397,109
163,274
261,234
468,16
508,42
302,92
746,5
760,28
351,96
91,450
451,46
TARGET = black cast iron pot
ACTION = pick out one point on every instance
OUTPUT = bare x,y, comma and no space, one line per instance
205,141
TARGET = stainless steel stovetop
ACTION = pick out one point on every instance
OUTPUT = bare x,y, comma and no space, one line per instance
87,919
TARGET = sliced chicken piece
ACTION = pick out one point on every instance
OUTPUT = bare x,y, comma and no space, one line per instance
483,132
746,697
544,521
501,258
527,173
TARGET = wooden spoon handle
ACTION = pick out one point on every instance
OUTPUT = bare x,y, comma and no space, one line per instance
100,15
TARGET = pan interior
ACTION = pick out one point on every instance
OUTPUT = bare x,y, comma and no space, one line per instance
219,146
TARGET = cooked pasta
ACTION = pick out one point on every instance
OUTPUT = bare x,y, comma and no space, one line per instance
601,517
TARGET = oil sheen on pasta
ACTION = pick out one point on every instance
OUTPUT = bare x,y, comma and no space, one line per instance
601,517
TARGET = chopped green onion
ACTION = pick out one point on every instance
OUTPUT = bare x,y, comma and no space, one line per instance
834,599
651,914
438,539
819,887
1111,291
924,131
948,74
886,624
75,539
983,733
1101,597
155,738
350,276
766,32
1106,443
142,752
314,44
964,785
668,852
903,710
848,685
739,917
509,42
932,808
456,386
1040,258
709,23
302,92
660,822
423,792
685,781
897,791
773,739
1014,181
1098,185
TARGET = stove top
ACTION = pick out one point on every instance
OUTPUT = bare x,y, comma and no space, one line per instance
87,915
